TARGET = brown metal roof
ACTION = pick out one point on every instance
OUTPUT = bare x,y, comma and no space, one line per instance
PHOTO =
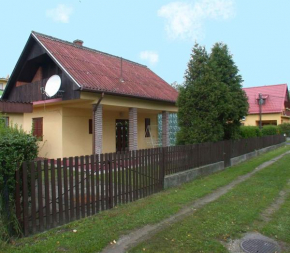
93,70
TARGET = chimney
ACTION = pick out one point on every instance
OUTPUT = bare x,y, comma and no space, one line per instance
78,43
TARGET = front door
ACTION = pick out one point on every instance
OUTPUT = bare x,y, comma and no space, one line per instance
122,134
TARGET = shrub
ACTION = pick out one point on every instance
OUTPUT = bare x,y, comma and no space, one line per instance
16,146
250,131
269,130
285,129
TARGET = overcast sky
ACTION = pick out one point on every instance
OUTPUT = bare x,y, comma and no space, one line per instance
159,33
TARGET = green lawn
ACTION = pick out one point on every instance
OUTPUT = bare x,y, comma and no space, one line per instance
228,217
279,226
95,232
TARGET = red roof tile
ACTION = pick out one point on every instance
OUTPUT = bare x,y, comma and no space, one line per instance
97,71
275,96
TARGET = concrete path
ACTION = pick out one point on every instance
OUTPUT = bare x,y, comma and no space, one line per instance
135,237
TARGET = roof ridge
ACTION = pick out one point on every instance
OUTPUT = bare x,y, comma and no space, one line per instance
85,48
264,86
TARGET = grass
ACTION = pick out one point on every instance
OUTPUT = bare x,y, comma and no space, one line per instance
279,227
226,218
95,232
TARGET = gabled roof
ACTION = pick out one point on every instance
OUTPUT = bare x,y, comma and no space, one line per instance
96,71
275,96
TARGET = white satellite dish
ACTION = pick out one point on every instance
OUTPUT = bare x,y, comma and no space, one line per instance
52,85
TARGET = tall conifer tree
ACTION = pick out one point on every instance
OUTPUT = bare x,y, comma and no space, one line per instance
211,103
197,102
236,103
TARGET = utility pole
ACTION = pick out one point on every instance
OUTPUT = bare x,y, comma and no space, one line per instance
260,109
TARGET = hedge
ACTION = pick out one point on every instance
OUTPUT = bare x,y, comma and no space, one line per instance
250,131
16,146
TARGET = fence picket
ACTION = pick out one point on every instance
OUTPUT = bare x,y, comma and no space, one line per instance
65,184
47,195
71,188
93,171
40,196
33,197
97,184
83,208
102,182
25,199
59,189
77,187
88,197
53,193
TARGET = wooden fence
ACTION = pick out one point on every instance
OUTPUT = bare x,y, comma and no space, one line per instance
52,192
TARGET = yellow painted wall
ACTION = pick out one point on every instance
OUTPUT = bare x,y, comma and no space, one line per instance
4,82
15,119
51,146
252,118
75,132
77,140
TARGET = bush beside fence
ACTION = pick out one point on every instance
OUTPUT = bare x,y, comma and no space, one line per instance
60,191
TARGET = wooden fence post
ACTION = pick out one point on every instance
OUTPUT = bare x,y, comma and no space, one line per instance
162,167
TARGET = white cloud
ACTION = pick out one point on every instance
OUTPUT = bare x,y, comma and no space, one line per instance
185,20
151,57
60,14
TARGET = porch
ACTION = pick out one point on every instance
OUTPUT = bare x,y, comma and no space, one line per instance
113,124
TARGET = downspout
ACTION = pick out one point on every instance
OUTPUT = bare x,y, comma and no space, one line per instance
95,106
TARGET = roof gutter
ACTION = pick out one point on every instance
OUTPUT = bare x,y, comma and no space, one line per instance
58,63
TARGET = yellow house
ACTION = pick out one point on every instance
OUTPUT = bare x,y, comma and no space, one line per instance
103,103
275,108
3,82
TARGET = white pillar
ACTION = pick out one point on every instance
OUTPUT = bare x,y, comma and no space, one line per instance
165,129
98,129
133,124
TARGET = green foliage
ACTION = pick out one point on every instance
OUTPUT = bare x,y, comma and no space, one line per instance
285,129
269,130
250,131
198,102
16,146
211,103
234,103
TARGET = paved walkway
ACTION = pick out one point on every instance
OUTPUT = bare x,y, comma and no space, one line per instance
137,236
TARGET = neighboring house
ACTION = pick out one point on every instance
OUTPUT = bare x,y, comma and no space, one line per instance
105,103
3,82
275,107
